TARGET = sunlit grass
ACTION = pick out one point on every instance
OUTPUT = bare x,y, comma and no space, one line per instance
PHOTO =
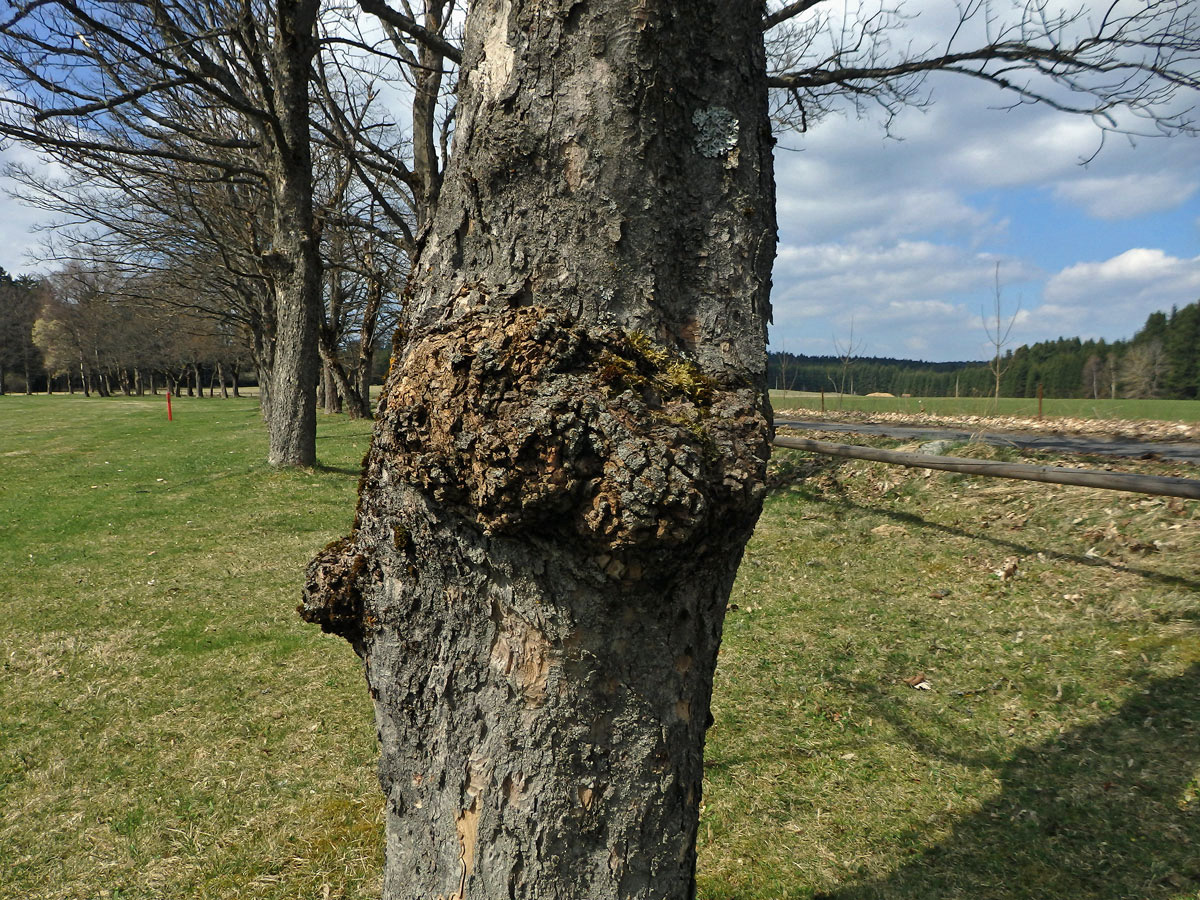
170,729
1056,750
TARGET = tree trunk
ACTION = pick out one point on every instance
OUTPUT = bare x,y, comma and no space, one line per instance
361,376
364,382
569,456
295,261
339,384
234,374
333,399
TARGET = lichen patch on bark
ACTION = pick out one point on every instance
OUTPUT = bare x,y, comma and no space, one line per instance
496,68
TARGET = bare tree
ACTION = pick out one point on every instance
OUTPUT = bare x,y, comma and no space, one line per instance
999,329
1143,369
576,403
1092,375
846,355
574,411
219,88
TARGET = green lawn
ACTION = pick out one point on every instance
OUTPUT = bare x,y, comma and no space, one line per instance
170,729
1164,410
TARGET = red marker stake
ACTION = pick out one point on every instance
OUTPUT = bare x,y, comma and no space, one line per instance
168,406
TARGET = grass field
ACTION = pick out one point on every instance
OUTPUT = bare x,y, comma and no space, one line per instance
170,729
1164,410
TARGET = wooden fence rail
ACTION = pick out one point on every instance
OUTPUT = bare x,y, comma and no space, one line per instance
1158,485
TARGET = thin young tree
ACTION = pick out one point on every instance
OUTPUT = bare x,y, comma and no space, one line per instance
846,352
998,328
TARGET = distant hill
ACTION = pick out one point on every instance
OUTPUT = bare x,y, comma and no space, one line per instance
1161,360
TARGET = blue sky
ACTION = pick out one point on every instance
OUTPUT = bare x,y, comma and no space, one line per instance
898,237
901,237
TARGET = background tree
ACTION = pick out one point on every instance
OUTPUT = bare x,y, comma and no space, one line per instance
998,330
1144,368
1181,345
221,88
847,353
20,299
1093,376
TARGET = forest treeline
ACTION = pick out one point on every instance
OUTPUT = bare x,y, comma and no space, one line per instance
82,330
92,331
1161,360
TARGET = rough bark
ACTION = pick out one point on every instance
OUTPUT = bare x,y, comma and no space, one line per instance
569,454
329,390
294,262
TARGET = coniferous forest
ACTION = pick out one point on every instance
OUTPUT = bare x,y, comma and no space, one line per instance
1161,360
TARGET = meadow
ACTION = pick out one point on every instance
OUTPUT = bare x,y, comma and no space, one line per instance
931,686
1121,409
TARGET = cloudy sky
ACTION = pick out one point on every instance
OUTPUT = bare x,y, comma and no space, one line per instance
898,237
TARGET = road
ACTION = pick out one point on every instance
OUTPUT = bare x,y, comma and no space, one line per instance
1053,443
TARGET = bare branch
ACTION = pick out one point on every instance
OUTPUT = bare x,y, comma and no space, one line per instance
1138,60
404,23
788,12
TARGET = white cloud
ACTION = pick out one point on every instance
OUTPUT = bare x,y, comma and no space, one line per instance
886,280
1139,269
1125,196
906,297
1112,298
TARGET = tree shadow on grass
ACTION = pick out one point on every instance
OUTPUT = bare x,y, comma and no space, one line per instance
1016,547
819,472
339,470
1110,810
